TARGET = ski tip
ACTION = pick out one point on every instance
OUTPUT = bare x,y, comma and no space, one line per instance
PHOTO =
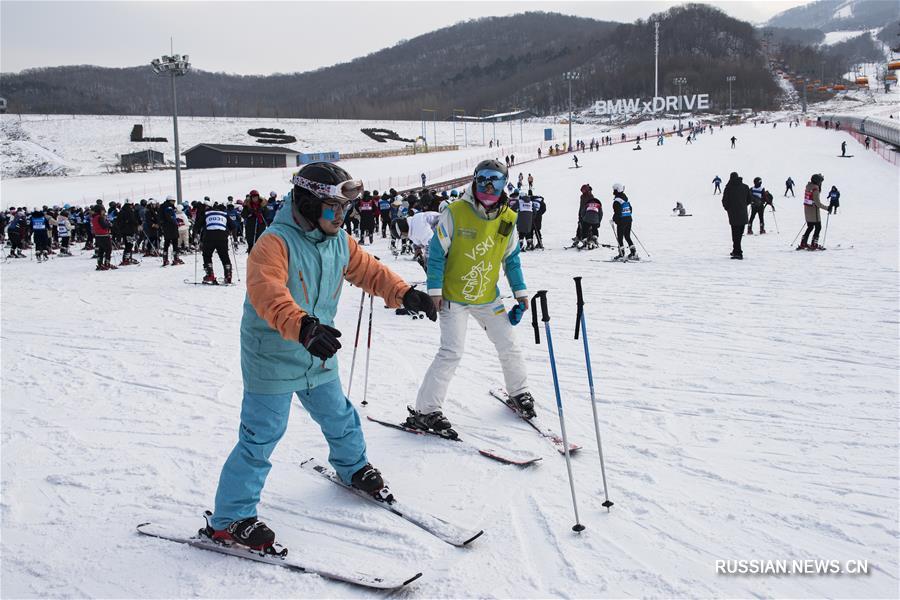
473,538
411,579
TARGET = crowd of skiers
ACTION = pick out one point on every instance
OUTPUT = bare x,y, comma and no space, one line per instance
738,196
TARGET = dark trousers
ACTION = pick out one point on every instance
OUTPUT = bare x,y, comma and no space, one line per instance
170,239
812,227
104,249
718,189
624,231
758,210
15,241
737,232
220,247
789,189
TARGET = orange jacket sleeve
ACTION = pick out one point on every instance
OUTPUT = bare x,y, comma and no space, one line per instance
373,276
267,275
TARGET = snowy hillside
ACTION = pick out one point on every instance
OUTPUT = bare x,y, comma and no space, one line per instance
89,144
749,409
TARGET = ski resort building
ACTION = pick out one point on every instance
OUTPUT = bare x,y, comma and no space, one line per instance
212,156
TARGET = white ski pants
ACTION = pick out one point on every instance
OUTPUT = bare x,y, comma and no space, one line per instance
454,320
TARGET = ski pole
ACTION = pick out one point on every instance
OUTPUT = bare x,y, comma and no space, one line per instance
825,237
776,221
798,235
639,240
234,251
195,266
545,317
590,375
362,300
368,353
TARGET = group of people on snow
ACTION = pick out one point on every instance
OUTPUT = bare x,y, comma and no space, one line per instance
289,342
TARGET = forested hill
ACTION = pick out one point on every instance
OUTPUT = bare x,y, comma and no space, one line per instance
497,63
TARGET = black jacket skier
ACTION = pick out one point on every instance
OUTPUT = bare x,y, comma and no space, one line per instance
735,200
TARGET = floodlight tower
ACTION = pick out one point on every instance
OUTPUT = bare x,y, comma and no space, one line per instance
679,81
173,66
571,76
730,79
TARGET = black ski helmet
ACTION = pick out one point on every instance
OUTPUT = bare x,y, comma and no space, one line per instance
315,182
757,181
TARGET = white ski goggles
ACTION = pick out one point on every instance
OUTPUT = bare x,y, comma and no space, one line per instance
346,191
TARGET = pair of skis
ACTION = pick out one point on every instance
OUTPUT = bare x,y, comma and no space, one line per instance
545,432
441,528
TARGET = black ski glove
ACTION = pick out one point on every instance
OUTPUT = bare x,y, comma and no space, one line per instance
320,340
417,301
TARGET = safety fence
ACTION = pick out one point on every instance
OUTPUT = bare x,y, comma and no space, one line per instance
885,151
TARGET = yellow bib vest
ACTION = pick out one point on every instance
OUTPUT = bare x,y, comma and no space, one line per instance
476,253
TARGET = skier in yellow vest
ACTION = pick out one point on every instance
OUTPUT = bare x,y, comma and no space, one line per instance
473,239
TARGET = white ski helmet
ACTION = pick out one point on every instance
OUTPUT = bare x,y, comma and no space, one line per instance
618,187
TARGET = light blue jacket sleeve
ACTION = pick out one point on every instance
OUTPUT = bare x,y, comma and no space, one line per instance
436,261
513,268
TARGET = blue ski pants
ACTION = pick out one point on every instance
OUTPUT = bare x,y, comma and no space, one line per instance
264,419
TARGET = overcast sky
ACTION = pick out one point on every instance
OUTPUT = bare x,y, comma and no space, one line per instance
266,37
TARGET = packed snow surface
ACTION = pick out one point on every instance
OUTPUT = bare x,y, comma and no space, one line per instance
749,410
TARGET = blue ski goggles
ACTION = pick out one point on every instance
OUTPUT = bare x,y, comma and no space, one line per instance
496,179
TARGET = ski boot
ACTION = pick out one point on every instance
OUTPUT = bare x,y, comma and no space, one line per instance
749,230
762,230
88,246
593,243
523,404
250,532
210,277
803,246
433,421
632,255
368,479
530,245
110,267
621,254
165,260
177,261
228,274
101,267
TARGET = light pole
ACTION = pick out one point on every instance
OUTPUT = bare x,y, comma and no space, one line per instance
571,76
730,79
488,111
173,66
679,81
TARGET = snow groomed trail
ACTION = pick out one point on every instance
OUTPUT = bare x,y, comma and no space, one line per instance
749,409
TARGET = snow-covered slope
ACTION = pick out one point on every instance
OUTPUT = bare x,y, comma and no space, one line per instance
749,409
89,144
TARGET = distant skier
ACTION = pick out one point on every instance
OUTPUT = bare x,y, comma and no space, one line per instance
102,231
590,215
789,187
733,140
575,158
127,224
757,206
735,200
423,179
717,181
679,208
214,238
40,229
834,200
525,222
539,207
170,231
421,230
64,230
867,142
843,148
366,207
384,208
623,219
288,346
811,206
474,240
